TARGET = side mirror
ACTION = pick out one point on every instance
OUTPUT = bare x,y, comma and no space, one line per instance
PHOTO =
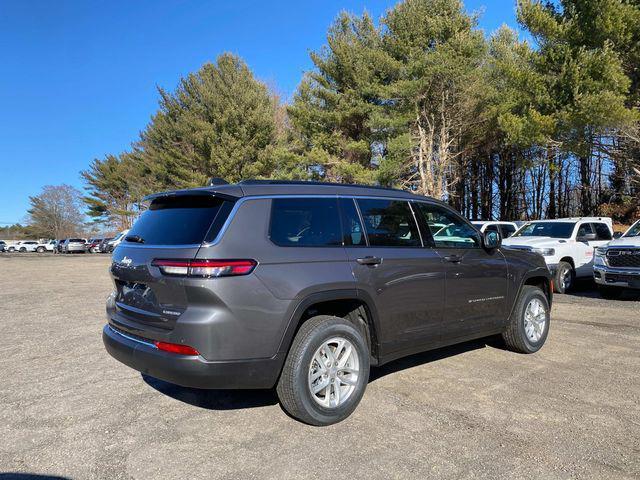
491,240
617,234
588,237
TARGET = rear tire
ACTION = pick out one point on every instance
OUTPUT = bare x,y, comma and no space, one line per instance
23,250
610,293
311,364
529,325
40,249
564,278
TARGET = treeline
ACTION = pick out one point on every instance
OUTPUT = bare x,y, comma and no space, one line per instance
422,100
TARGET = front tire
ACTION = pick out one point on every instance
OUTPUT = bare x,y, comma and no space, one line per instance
610,293
326,371
564,278
40,249
529,323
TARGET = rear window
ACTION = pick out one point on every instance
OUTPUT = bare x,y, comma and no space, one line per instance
76,240
177,220
305,222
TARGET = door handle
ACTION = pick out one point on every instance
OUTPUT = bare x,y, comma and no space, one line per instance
453,258
369,260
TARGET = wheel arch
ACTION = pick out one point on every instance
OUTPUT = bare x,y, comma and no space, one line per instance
345,303
540,277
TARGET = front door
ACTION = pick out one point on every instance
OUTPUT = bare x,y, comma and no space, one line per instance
476,279
404,280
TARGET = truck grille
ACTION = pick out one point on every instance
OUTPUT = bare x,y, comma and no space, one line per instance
624,257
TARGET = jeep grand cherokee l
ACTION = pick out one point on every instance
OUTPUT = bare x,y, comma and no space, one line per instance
304,285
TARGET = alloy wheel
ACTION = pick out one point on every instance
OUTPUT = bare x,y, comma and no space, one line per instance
334,372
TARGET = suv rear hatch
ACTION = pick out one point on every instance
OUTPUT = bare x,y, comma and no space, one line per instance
173,228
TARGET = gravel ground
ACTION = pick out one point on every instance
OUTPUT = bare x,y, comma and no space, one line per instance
67,409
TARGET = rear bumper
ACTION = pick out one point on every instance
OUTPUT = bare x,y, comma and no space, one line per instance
191,371
616,277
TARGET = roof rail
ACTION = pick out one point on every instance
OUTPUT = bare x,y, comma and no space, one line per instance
313,182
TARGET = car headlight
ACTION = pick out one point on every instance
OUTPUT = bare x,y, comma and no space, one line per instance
547,252
601,252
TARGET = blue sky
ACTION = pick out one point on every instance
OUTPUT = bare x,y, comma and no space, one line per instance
78,78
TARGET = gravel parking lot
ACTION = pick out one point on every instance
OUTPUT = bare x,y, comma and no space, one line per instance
68,409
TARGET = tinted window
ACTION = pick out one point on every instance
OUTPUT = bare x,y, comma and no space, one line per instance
351,225
602,231
447,228
179,220
76,240
583,230
389,223
546,229
507,230
305,222
634,231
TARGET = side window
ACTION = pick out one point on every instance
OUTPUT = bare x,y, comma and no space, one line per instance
305,222
602,231
583,229
353,233
389,223
507,230
448,230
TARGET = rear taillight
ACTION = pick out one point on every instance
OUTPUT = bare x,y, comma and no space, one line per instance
205,268
176,348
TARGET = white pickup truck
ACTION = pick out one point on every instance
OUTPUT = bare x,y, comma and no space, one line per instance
567,245
617,264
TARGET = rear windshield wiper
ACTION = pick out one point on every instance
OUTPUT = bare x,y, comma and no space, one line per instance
134,239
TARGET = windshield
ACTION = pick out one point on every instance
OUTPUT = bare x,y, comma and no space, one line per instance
546,229
634,231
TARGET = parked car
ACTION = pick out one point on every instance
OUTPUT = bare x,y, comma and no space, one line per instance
617,264
59,245
93,245
23,246
48,246
506,229
567,245
74,245
115,241
102,248
302,285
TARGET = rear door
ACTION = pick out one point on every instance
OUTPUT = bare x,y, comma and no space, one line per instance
391,267
476,279
173,228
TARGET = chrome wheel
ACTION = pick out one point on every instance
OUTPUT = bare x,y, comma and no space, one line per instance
565,279
334,372
535,320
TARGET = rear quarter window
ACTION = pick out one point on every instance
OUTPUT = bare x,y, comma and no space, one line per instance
180,220
305,222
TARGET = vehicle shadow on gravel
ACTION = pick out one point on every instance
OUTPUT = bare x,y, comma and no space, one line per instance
241,399
586,288
29,476
432,356
214,399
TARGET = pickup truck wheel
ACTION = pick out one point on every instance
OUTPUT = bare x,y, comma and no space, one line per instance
326,371
529,323
564,278
40,249
610,293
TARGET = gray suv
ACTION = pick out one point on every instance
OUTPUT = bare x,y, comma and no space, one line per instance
304,286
